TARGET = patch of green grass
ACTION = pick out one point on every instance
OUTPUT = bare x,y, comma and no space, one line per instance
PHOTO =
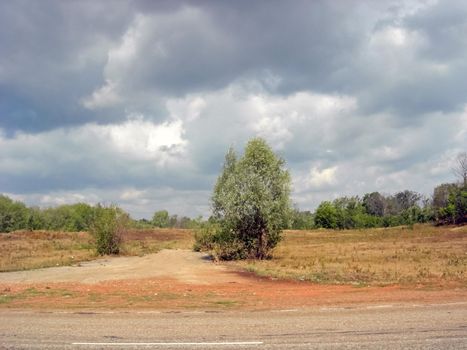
5,298
30,293
226,303
96,297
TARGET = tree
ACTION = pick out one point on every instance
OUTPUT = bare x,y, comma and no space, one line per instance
301,220
460,169
173,221
347,209
405,200
251,204
326,215
441,196
161,219
374,203
13,215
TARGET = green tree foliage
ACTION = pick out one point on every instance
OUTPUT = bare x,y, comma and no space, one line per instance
13,215
74,217
161,219
302,220
374,210
107,228
326,215
251,204
69,217
441,195
451,204
36,220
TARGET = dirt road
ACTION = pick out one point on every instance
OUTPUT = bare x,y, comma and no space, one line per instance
183,265
182,279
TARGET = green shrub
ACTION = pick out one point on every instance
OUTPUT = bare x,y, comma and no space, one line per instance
107,228
210,237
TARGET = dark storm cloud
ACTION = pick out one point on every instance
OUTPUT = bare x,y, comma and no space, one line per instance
208,45
51,54
54,54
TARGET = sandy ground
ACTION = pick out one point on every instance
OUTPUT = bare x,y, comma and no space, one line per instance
183,265
182,279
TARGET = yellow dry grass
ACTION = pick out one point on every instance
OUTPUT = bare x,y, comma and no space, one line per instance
422,254
24,250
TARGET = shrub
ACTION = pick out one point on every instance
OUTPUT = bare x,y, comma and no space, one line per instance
210,237
107,228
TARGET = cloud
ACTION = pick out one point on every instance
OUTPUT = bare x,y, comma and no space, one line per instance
105,96
138,102
322,177
90,155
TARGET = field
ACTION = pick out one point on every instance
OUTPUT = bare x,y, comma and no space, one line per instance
423,264
24,250
422,254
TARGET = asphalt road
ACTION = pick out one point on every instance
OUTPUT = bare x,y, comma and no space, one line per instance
442,326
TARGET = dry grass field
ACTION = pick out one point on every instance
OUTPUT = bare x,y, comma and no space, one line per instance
24,250
423,264
423,254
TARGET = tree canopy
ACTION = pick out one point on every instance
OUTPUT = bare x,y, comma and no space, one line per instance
251,202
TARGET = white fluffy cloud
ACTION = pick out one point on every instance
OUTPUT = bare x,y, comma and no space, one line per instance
340,151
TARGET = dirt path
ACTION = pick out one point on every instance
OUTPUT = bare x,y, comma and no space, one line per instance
183,265
182,279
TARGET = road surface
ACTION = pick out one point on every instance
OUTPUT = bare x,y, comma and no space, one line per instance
440,326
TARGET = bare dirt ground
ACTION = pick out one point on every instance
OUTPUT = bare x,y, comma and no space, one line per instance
181,279
184,266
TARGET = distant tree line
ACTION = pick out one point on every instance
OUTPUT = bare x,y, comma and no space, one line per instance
15,215
372,210
163,219
448,205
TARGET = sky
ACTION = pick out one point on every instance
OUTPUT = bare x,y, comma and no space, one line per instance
135,103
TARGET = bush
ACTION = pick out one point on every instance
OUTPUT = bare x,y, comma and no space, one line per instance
205,236
107,228
210,237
